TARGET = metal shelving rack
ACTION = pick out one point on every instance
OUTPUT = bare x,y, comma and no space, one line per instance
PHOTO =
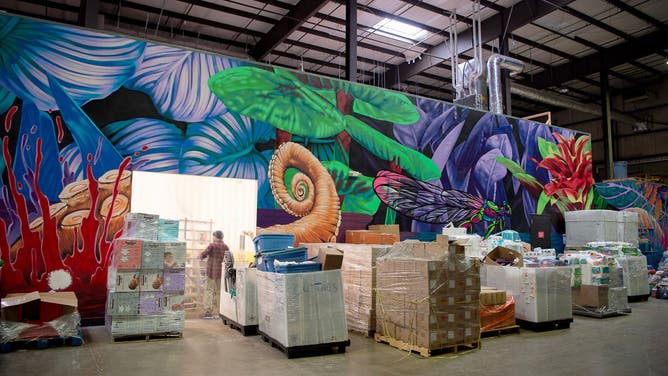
197,235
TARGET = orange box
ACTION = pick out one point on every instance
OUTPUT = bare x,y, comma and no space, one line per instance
370,237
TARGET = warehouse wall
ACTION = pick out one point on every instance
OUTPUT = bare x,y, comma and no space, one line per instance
81,109
644,147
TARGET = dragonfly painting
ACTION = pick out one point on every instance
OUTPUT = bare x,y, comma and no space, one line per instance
429,203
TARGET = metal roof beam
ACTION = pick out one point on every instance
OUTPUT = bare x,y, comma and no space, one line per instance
639,14
515,17
301,12
612,56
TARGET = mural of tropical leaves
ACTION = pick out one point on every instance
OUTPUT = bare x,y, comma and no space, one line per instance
434,124
163,72
414,162
154,145
89,65
36,126
278,99
358,193
225,146
90,140
6,99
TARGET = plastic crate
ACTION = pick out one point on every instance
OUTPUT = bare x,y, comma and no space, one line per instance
272,242
305,267
265,261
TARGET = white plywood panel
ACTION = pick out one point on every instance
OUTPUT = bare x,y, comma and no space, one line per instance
231,204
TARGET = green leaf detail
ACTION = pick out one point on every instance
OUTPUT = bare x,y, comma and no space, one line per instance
414,162
278,99
547,148
542,202
510,165
383,105
359,196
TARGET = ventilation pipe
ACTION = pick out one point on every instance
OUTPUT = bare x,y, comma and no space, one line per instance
495,63
557,100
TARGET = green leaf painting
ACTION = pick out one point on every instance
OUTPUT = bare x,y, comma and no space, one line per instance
547,148
414,162
358,190
383,105
278,100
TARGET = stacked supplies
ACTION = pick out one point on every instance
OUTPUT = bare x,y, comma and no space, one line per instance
146,282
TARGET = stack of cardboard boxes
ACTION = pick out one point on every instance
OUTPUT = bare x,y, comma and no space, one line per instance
428,296
146,281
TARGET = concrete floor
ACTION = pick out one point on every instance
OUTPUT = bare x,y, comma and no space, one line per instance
629,345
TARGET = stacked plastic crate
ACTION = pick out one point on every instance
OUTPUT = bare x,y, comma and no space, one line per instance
146,280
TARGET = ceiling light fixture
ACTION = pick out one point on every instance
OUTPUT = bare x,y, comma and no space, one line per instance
397,30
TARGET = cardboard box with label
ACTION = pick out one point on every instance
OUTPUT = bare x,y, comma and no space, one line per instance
152,280
153,255
122,303
150,302
141,226
330,258
127,254
370,237
174,280
124,280
174,255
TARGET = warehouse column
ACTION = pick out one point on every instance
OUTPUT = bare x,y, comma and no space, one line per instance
88,12
351,40
505,77
606,122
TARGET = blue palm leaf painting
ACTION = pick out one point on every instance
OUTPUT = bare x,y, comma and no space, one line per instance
176,80
36,125
90,140
436,121
89,65
225,146
154,145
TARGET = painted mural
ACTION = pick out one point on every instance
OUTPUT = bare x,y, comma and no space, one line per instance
649,200
82,109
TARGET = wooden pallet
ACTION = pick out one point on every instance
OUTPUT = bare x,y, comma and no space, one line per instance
497,332
246,330
41,343
545,325
147,337
425,352
599,314
638,298
308,350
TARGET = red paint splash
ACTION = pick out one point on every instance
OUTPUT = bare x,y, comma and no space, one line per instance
144,148
136,154
9,117
59,125
37,252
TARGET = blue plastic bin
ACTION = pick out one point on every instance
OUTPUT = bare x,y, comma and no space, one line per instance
265,261
299,268
272,242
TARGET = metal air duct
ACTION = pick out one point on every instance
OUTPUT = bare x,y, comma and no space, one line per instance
495,63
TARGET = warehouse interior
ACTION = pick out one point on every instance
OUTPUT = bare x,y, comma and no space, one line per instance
517,147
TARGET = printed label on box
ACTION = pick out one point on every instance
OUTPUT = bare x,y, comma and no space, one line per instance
174,255
152,280
127,281
153,255
174,280
123,303
127,254
150,302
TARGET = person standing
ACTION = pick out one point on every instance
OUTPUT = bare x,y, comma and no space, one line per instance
217,253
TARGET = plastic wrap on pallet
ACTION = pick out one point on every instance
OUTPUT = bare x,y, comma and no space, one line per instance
302,309
63,326
541,294
358,271
584,226
168,230
592,267
242,306
428,295
141,226
497,316
635,274
166,322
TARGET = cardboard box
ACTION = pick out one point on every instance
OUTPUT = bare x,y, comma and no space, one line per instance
127,254
330,258
174,280
124,280
150,302
168,230
584,226
506,254
173,302
174,255
141,226
387,229
492,296
152,280
122,303
591,296
153,255
38,307
370,237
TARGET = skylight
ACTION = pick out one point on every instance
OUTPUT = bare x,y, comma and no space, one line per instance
398,30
